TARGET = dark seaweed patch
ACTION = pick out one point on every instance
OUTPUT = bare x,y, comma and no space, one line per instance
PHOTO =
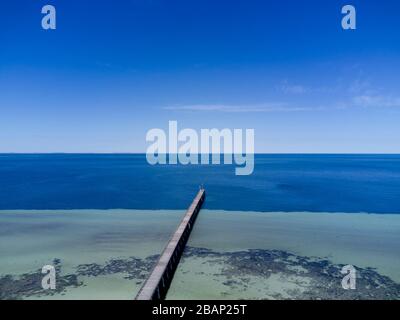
324,276
29,284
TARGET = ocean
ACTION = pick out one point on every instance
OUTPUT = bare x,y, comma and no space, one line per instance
313,183
284,232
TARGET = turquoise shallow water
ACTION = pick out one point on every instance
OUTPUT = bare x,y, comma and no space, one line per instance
256,255
105,250
106,254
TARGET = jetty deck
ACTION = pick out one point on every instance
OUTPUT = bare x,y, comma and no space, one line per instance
159,280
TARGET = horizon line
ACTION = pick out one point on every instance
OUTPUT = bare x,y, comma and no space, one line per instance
255,153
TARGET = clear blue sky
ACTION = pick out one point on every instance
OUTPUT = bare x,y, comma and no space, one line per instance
114,69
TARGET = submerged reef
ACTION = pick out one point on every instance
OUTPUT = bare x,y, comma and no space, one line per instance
312,278
28,285
292,276
132,268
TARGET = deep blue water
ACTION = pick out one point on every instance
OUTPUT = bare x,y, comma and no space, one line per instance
334,183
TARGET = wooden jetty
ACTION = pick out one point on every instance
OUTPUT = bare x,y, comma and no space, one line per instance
159,280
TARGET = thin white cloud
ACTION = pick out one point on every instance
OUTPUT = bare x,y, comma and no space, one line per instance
376,101
271,107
